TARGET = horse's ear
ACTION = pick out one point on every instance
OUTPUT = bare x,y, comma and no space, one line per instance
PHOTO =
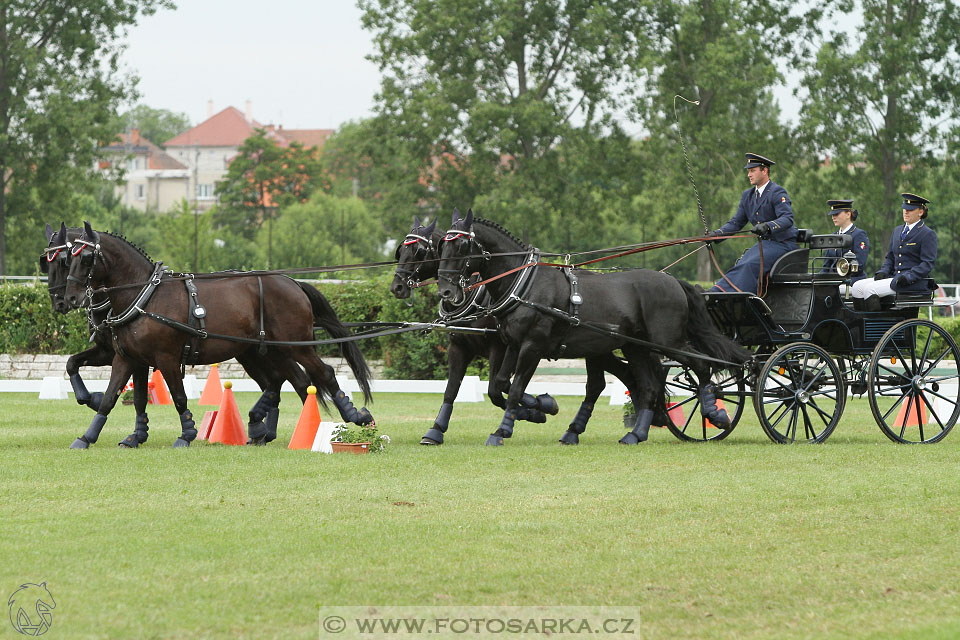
416,221
62,234
49,232
428,230
456,215
91,235
469,218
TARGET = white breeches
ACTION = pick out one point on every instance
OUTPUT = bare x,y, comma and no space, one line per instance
870,287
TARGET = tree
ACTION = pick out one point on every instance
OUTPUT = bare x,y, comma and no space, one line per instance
721,55
877,102
156,125
262,178
326,230
60,87
481,95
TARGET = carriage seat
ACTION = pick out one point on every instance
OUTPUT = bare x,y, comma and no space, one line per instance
794,266
911,298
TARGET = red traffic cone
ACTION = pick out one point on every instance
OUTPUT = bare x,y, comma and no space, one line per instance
212,391
206,425
160,393
306,430
228,425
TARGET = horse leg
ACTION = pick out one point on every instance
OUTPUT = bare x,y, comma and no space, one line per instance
119,374
170,368
527,360
323,377
532,409
595,386
95,356
269,398
459,356
139,435
646,369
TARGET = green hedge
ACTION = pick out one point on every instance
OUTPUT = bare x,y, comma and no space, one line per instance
28,323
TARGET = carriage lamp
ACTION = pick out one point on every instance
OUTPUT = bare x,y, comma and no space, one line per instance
848,264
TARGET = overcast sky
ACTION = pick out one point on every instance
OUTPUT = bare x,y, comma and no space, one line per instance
300,63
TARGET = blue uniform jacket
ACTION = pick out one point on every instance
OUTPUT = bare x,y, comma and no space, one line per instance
860,248
773,207
912,257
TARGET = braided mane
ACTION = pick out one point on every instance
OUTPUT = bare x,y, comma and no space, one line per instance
121,237
501,229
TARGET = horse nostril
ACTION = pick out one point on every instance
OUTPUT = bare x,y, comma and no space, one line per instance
444,293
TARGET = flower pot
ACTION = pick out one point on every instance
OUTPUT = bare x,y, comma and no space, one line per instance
351,447
630,420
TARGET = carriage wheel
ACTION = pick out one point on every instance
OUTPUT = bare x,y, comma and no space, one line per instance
799,394
682,392
914,383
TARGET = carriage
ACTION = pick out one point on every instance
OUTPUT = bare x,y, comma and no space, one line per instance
813,348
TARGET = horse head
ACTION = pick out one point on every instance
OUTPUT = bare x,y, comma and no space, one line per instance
55,262
457,251
416,259
85,260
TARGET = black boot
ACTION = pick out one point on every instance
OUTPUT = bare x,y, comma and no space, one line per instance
872,303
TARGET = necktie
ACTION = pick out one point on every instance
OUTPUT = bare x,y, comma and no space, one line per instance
756,194
903,234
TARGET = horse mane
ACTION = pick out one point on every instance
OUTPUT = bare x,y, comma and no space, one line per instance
124,238
501,229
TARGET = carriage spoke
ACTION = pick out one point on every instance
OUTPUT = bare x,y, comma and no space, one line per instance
808,429
794,418
942,397
816,377
933,412
933,365
926,347
786,407
826,417
941,379
895,405
902,359
896,373
906,415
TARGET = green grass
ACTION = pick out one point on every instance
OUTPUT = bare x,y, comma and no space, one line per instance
854,538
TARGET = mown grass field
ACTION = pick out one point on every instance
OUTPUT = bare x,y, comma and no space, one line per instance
855,538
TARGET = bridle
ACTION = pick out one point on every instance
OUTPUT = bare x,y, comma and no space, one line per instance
88,259
458,277
411,277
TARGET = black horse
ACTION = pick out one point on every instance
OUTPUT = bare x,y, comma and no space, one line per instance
417,260
581,313
245,311
262,427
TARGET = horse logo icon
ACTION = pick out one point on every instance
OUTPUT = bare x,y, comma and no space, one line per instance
30,609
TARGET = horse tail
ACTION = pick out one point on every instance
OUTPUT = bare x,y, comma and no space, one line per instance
325,316
703,333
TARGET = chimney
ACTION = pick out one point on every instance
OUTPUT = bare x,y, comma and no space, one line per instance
209,108
248,111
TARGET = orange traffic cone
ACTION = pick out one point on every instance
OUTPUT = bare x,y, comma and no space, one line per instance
212,391
918,413
675,413
306,430
159,394
228,425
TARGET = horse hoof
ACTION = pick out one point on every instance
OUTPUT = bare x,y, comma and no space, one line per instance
257,442
429,442
570,437
494,441
721,420
80,443
130,442
630,438
179,443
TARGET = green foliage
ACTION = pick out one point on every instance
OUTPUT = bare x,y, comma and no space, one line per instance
28,323
60,87
156,125
356,433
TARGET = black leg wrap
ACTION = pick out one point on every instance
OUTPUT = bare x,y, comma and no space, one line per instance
505,430
273,417
80,391
531,415
547,404
579,422
641,429
139,435
434,435
708,408
350,413
189,433
91,434
266,401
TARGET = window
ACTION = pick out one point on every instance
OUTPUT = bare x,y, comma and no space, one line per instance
141,191
204,192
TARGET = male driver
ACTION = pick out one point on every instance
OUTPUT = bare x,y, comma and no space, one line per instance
766,206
